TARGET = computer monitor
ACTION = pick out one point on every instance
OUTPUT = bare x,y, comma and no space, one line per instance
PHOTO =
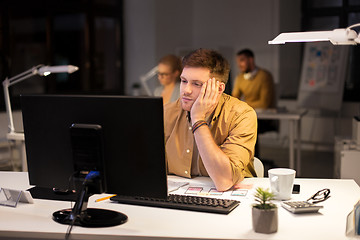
132,137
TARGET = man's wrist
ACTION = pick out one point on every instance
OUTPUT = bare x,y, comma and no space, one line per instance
198,124
195,119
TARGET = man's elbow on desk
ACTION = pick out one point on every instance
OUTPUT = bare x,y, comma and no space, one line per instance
223,184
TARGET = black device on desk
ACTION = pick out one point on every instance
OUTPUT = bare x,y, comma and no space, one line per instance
121,138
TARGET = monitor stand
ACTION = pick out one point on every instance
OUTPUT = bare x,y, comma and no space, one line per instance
52,194
80,215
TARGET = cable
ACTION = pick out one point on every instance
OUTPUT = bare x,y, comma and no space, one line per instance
72,216
91,175
68,231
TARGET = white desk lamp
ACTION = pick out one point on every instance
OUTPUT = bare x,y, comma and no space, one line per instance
144,78
341,36
38,70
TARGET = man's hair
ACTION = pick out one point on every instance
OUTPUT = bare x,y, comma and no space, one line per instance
246,52
210,59
173,61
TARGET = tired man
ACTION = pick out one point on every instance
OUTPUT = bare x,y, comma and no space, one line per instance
209,133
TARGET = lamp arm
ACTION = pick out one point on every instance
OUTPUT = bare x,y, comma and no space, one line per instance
22,76
357,39
144,78
8,106
354,25
39,69
11,81
6,84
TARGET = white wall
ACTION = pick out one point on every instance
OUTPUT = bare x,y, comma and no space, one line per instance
154,28
174,26
290,55
139,37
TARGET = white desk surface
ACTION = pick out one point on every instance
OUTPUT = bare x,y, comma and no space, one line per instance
35,220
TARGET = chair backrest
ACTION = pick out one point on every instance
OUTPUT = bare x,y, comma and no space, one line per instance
259,167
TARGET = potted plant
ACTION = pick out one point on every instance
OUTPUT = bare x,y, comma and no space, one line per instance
264,213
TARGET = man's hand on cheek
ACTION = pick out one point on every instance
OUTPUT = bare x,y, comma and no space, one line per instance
206,101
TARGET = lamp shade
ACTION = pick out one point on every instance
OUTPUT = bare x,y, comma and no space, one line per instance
46,70
342,36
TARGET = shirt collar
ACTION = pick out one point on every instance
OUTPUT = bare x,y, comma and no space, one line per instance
251,75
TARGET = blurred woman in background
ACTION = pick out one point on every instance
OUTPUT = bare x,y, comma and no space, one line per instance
169,70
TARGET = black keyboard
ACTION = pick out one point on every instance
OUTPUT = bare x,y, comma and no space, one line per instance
182,202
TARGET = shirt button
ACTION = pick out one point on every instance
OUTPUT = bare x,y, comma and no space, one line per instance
186,172
188,150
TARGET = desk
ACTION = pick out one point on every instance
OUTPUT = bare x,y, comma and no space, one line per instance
34,220
294,118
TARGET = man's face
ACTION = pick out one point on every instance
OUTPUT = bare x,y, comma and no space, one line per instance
192,79
244,63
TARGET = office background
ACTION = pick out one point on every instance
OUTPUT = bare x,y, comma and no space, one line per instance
115,42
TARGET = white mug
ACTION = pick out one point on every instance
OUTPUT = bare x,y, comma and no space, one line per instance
281,182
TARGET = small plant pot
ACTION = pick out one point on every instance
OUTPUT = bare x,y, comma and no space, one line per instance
265,220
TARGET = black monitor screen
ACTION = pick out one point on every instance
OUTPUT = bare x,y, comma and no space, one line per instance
133,140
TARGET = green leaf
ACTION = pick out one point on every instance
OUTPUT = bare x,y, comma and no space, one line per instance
263,197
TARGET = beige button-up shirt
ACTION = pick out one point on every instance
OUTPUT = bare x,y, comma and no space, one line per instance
233,126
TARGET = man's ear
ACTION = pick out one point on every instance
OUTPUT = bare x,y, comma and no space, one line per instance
222,87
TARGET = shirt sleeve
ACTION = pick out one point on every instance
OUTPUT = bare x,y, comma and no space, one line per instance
240,143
